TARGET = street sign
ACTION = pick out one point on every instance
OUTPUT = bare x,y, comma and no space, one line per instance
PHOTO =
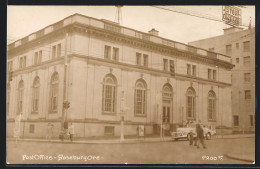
231,15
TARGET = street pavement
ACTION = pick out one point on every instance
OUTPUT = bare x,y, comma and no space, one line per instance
226,150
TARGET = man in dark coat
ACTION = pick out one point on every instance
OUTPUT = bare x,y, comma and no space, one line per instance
200,137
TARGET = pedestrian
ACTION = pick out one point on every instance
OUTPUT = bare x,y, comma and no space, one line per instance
49,131
200,138
191,134
197,129
71,131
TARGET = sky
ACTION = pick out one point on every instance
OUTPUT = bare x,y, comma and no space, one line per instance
24,20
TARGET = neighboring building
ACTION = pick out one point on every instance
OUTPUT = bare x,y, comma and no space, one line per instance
240,45
91,62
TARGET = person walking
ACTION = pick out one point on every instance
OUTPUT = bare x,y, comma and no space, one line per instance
197,130
200,138
191,134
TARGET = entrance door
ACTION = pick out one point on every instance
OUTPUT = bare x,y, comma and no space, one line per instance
166,111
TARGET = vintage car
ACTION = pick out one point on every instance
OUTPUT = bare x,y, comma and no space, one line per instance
183,132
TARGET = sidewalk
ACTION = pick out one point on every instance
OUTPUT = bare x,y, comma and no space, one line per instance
126,140
250,157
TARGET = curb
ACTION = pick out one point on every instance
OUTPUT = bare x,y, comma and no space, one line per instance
101,142
237,158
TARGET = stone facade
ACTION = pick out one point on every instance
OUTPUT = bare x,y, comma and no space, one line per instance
103,60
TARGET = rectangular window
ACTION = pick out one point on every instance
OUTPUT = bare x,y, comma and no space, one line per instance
252,120
21,63
10,66
188,69
247,77
31,128
211,49
214,75
24,61
247,94
237,60
107,53
145,60
35,58
247,61
190,107
115,54
109,131
194,70
212,109
172,67
228,49
236,120
209,74
58,50
138,58
246,46
237,45
40,57
165,64
53,52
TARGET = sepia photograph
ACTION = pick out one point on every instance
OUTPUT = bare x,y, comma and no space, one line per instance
129,85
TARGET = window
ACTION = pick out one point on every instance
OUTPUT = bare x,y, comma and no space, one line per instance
54,92
20,97
10,66
31,128
237,45
247,77
190,103
214,75
8,98
247,94
145,60
194,70
165,64
211,49
228,49
138,58
37,57
237,60
22,63
58,50
211,106
140,98
235,120
53,51
109,131
107,52
172,67
188,69
35,97
252,120
246,46
109,94
115,54
209,74
247,61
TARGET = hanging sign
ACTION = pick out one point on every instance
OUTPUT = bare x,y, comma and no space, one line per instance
231,15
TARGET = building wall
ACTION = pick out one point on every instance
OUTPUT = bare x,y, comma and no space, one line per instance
240,106
86,71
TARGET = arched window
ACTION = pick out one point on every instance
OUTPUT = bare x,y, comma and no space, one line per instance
8,98
54,92
109,94
20,97
167,91
140,97
211,106
35,96
191,103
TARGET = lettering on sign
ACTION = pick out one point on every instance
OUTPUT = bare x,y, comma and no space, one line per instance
231,15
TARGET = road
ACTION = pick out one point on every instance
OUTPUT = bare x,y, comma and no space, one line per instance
176,152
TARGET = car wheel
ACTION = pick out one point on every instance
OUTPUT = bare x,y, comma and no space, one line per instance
188,136
208,136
